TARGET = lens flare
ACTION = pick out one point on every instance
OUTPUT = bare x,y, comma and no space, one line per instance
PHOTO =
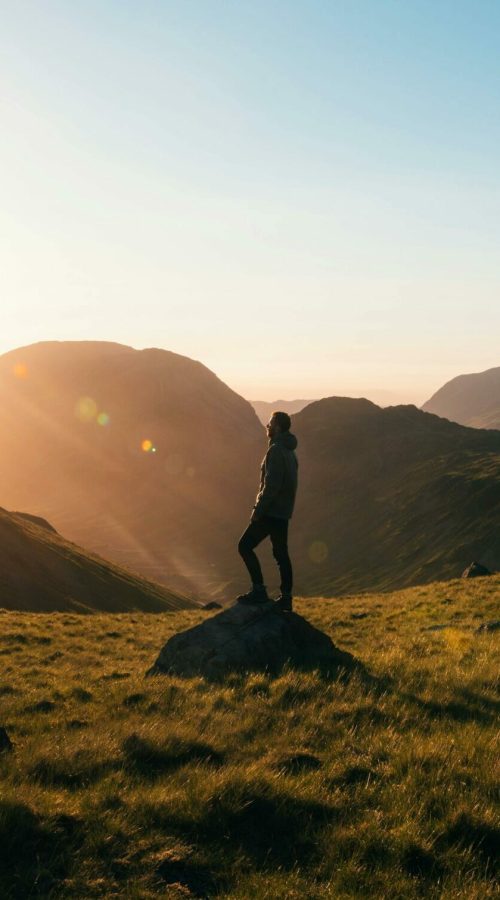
318,551
147,446
20,370
103,419
86,409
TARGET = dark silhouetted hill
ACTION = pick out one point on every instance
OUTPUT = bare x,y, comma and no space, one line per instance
391,497
42,572
380,396
472,400
143,456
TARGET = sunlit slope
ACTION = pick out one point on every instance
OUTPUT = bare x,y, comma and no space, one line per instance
143,456
42,572
391,497
469,399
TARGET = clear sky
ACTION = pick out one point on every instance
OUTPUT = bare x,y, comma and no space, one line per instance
305,196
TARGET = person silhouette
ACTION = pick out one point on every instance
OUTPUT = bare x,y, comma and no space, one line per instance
271,513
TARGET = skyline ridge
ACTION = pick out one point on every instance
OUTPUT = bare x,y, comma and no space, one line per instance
396,397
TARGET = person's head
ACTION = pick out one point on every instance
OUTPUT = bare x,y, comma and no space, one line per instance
278,423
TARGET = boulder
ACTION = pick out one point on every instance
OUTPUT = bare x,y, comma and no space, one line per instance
212,605
250,638
475,570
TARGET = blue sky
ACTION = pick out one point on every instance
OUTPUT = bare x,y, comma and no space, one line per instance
304,196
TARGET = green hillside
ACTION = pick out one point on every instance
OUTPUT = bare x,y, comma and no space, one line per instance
42,572
297,787
391,497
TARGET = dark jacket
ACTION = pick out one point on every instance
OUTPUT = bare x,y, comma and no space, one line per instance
278,478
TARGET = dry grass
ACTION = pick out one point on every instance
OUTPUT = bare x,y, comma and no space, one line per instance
293,787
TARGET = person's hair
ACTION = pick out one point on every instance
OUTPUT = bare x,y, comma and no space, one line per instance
283,420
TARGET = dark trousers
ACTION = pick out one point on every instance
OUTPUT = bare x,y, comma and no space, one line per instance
277,530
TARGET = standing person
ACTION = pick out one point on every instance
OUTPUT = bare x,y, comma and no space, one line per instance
272,512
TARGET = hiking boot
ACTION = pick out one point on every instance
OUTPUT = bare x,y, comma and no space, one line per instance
257,595
284,603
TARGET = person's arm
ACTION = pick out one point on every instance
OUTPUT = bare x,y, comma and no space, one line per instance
273,480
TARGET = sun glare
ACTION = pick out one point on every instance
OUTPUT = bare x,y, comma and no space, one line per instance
147,446
318,551
86,409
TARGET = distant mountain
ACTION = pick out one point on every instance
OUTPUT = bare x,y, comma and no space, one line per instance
143,456
42,572
265,408
469,399
391,497
382,397
148,459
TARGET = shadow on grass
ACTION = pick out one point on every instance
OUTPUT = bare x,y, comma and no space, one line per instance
298,763
419,862
36,852
482,838
481,701
269,828
352,776
151,760
42,706
190,875
468,707
457,710
73,772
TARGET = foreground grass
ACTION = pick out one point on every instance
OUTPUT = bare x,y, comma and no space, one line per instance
293,787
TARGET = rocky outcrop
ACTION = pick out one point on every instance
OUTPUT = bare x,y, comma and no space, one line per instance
250,638
475,570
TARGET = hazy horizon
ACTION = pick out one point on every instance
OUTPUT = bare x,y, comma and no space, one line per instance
305,197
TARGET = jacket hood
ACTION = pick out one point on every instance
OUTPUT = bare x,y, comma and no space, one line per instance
286,439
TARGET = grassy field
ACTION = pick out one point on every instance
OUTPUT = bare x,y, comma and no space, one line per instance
293,787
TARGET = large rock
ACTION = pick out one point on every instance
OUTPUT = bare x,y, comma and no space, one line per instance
246,638
475,570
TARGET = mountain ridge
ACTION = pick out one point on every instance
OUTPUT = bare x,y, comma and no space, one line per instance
391,497
144,456
158,471
471,399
